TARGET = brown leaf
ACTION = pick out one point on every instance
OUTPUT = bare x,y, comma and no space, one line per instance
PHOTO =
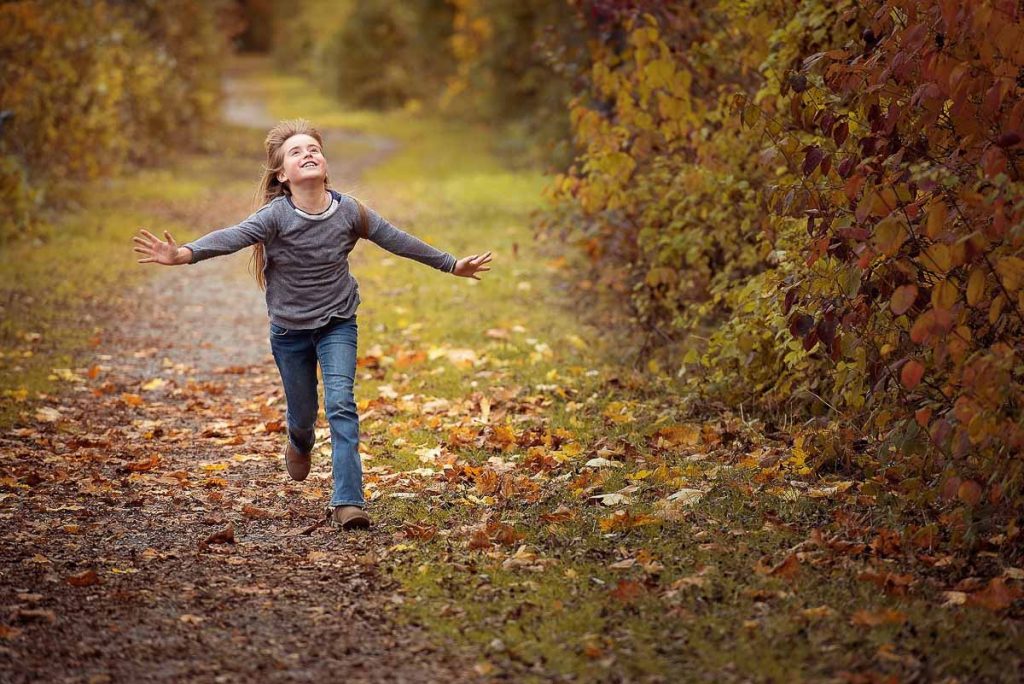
250,511
144,464
995,596
274,426
889,581
84,579
969,492
627,591
424,532
560,514
7,633
903,298
479,540
865,618
787,569
35,615
225,536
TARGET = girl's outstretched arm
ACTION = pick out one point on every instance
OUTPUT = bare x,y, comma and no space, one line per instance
395,240
258,227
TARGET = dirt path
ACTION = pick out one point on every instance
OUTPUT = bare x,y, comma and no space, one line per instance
149,530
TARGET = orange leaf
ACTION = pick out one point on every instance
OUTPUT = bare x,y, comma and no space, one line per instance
969,492
145,464
911,374
84,579
865,618
627,591
937,212
479,540
995,596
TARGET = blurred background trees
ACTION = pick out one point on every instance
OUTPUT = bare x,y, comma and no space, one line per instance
91,86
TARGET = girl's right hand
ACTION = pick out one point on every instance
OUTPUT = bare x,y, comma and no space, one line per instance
157,251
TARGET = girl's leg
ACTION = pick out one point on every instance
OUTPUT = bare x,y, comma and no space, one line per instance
295,354
336,349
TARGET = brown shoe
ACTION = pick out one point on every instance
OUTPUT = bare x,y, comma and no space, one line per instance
296,462
349,517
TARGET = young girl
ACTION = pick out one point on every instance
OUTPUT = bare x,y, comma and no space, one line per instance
301,237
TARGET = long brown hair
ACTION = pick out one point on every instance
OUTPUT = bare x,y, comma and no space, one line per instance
270,188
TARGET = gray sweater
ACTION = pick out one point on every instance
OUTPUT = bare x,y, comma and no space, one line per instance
308,281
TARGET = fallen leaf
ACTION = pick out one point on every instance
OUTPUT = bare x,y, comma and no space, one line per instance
866,618
954,598
995,596
250,511
225,536
84,579
627,591
132,399
601,463
35,615
145,464
684,497
8,633
818,613
48,414
614,499
154,384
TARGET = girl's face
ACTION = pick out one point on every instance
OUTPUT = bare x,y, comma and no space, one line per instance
303,160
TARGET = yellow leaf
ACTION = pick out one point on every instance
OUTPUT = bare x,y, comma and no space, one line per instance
976,287
618,412
937,212
889,235
1011,272
944,295
938,257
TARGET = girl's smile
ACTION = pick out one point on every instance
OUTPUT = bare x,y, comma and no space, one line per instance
303,162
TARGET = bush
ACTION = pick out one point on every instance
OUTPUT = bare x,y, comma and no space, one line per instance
93,86
821,204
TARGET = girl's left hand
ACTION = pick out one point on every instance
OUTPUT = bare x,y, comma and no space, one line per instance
470,265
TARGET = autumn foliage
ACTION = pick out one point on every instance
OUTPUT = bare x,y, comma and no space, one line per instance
90,87
828,197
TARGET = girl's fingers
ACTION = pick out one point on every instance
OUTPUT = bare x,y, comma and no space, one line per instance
170,240
146,261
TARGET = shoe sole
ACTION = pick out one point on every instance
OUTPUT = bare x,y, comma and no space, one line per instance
357,524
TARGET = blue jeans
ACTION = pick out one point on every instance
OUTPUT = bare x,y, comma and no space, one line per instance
297,353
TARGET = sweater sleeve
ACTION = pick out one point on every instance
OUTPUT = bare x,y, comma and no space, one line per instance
397,241
256,228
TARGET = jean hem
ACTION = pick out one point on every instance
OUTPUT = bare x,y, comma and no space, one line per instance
361,504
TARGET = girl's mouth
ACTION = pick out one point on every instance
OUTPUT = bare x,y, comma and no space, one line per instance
309,165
